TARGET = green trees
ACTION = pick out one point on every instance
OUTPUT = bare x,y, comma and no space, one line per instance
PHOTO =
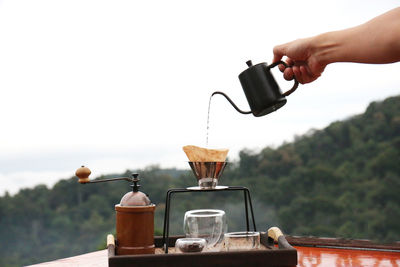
341,181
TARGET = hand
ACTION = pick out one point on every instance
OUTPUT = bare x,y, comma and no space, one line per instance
305,65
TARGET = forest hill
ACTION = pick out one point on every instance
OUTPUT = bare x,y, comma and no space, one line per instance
341,181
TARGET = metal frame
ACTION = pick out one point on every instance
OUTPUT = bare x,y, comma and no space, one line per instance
170,192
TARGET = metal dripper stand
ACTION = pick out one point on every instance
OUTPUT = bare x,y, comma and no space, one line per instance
207,175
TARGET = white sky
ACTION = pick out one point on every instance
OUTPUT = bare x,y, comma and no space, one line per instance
119,85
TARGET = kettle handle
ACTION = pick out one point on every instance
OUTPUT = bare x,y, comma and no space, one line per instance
296,83
230,101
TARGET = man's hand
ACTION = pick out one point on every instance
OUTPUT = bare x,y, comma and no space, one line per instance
304,63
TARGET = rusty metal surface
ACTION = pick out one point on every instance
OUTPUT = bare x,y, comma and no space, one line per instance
341,242
324,257
307,256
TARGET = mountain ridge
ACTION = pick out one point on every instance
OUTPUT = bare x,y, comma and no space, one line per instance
340,181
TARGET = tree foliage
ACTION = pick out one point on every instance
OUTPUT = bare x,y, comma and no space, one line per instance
341,181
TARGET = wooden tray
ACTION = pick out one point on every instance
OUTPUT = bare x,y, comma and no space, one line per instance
267,255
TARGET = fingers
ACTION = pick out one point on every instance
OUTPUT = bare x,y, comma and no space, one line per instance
279,52
305,75
297,58
297,73
288,74
288,62
301,72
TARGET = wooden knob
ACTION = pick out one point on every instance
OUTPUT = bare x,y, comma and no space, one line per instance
83,174
275,233
110,240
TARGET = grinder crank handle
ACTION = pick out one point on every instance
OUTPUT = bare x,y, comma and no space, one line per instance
276,234
83,175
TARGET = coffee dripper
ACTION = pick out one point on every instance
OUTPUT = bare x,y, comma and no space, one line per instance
262,91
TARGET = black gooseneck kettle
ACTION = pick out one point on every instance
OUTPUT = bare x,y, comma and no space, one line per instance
261,89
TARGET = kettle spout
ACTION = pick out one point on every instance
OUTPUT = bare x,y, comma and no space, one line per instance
230,101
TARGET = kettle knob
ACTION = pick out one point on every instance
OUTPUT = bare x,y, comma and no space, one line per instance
83,174
249,63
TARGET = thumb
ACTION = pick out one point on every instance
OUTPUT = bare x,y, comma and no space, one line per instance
279,52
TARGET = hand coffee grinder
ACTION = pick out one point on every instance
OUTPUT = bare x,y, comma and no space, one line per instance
134,216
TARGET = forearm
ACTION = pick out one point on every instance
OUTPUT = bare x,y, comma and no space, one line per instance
377,41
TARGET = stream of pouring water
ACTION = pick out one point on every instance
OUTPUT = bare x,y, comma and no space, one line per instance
208,120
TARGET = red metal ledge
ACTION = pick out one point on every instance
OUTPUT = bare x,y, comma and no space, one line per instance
341,243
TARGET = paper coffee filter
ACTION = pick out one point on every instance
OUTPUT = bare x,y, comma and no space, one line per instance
200,154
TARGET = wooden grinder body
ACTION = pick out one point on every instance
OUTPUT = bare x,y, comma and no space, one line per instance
135,229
